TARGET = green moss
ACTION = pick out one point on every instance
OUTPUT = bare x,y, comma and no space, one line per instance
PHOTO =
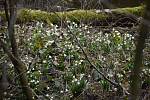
28,15
84,15
134,10
2,14
24,15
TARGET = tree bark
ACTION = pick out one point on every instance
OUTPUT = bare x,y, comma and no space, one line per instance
138,61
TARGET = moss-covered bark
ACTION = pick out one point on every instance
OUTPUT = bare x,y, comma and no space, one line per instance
138,62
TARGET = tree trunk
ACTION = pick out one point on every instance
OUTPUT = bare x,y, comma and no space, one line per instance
18,64
138,62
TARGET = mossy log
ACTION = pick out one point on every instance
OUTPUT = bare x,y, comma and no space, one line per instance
85,16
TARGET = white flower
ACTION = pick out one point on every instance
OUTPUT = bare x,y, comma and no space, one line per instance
56,26
32,81
28,72
41,51
50,56
61,91
68,21
65,55
73,23
72,81
108,41
113,29
74,77
5,93
56,33
71,27
118,33
97,39
127,35
44,61
66,90
110,75
52,29
47,95
50,42
81,60
85,27
51,25
37,23
132,37
119,75
75,80
41,25
81,76
65,34
78,82
39,71
115,89
48,87
89,76
107,35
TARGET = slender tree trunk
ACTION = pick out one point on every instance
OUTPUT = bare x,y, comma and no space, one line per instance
18,64
12,20
138,62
